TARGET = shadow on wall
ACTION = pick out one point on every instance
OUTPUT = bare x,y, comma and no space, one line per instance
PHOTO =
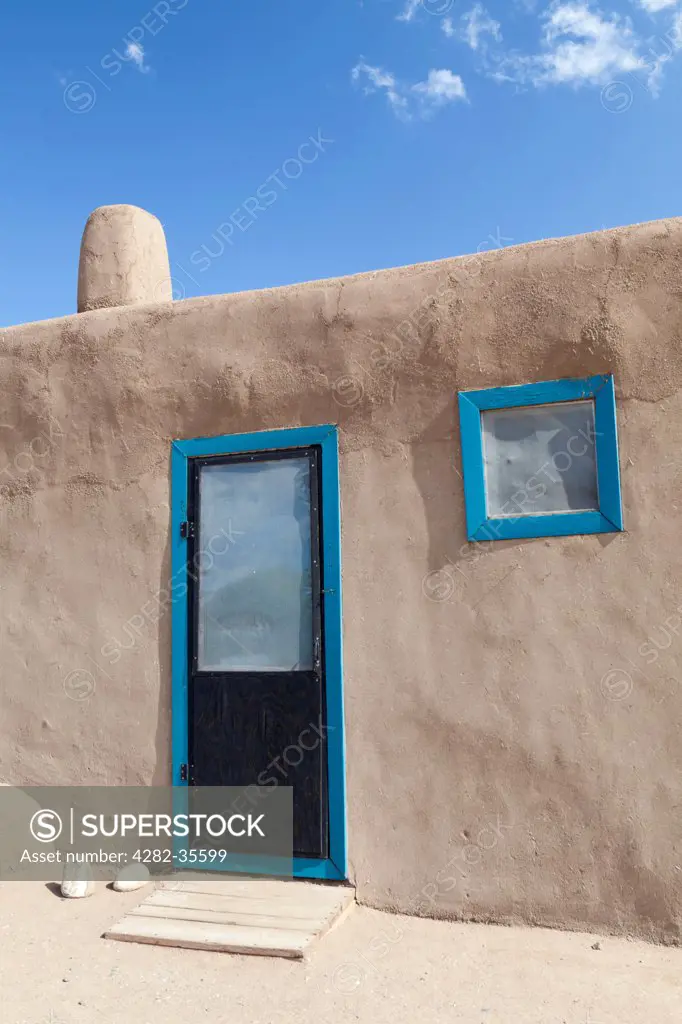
437,471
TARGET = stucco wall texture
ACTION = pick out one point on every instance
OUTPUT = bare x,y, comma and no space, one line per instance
512,755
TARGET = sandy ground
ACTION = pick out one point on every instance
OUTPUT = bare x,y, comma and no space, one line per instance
373,968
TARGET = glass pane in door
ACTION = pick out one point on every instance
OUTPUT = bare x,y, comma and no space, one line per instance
255,600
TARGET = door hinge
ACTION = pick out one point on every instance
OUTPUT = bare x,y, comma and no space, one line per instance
187,530
183,773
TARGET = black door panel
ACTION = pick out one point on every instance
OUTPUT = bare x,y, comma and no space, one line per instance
264,730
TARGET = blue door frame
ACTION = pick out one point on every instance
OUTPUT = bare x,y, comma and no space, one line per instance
335,866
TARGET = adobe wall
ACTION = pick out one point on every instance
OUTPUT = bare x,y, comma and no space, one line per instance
511,754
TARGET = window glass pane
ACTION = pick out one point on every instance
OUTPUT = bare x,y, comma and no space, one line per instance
540,459
255,583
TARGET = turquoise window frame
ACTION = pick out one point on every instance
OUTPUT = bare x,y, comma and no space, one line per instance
335,867
609,517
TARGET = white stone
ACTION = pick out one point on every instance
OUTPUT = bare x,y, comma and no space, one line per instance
132,877
77,881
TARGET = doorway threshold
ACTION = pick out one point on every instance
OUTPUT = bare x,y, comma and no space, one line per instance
254,916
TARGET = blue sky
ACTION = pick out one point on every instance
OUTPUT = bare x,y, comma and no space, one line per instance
439,128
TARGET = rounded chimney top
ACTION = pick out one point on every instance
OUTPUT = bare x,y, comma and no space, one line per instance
123,259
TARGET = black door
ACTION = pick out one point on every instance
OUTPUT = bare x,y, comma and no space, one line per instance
256,673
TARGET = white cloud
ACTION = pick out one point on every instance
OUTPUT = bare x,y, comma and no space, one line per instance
587,46
441,87
580,46
377,78
135,52
654,6
580,43
478,23
410,9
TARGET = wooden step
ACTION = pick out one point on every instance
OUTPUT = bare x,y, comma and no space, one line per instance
265,917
